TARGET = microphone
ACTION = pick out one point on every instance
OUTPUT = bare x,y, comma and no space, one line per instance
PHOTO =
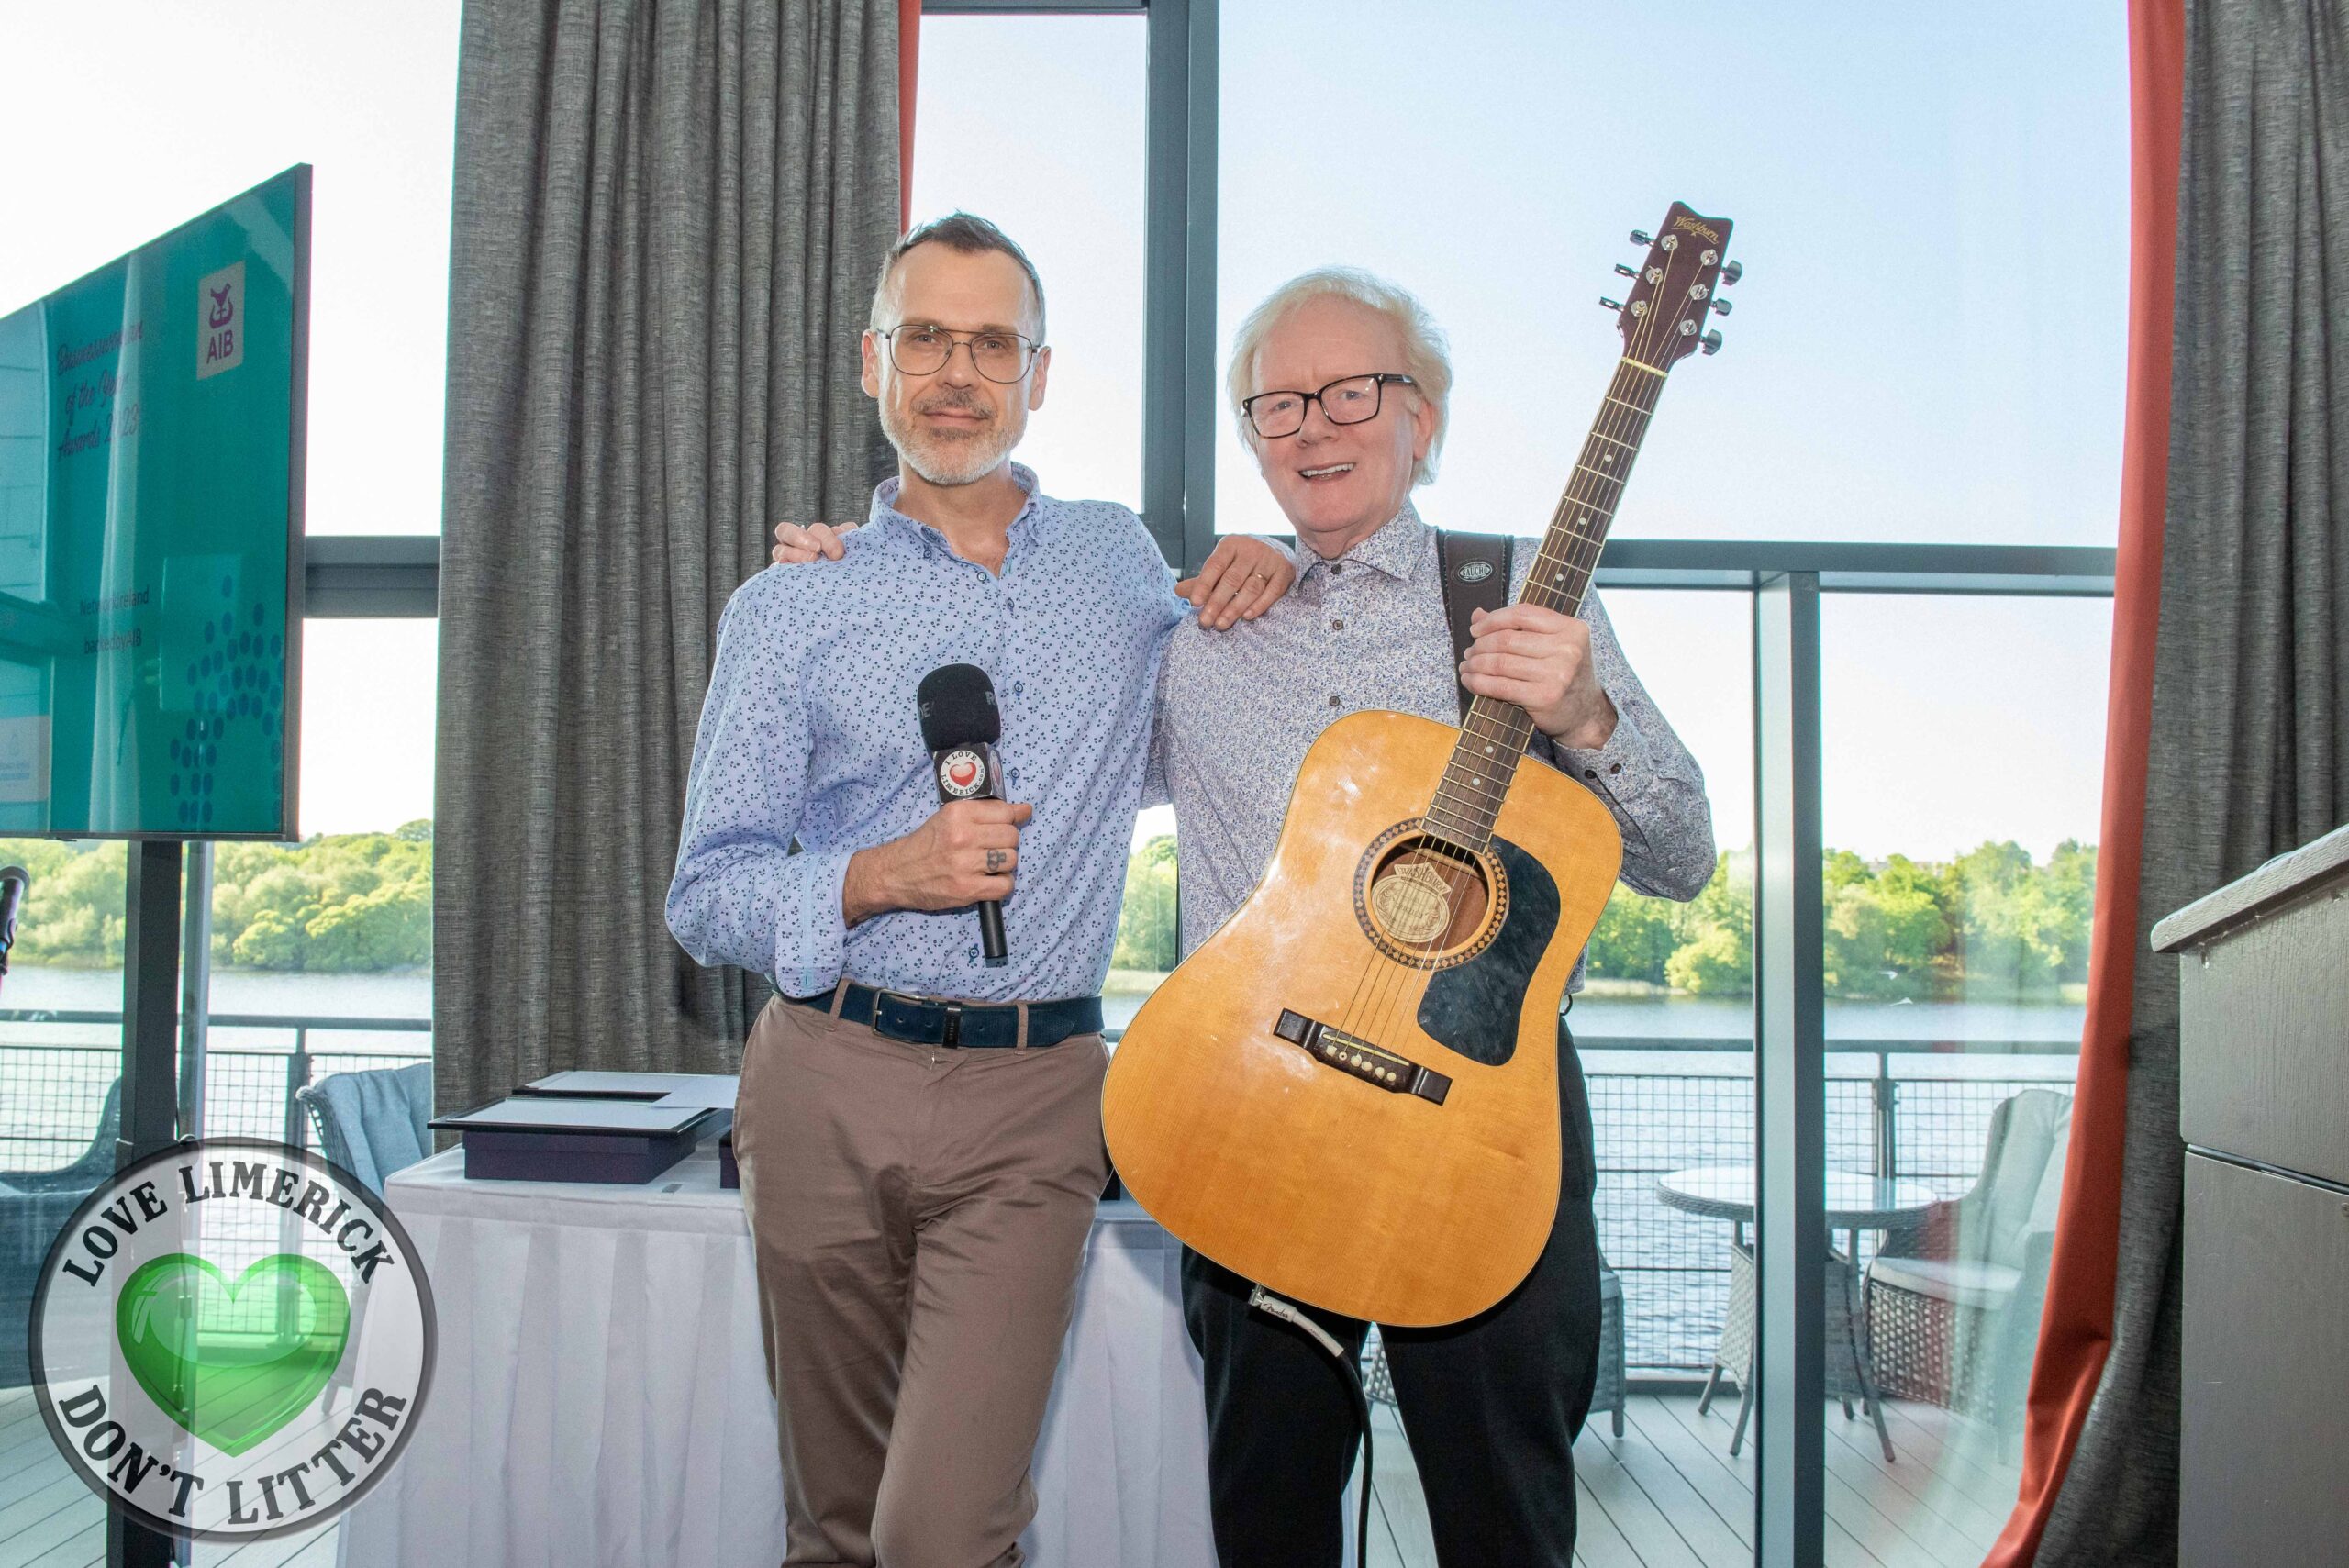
14,880
960,727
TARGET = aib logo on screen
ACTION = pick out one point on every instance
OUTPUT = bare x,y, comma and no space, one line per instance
220,321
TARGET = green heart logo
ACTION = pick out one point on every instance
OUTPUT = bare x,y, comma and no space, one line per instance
231,1364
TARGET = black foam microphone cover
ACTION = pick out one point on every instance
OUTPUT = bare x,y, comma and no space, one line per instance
958,708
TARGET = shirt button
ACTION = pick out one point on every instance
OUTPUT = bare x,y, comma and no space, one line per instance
1013,774
1334,703
1591,772
1338,625
1018,687
1336,567
1617,768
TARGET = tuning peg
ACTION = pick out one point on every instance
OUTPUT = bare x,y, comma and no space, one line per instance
1712,341
1626,271
1641,237
1610,303
1732,272
1720,304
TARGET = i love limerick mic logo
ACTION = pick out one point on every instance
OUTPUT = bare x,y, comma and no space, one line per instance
231,1338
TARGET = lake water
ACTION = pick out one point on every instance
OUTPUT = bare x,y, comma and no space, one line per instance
408,994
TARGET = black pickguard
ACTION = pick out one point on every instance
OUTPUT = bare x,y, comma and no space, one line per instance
1474,1008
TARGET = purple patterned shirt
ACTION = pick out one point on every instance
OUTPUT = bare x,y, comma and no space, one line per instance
809,732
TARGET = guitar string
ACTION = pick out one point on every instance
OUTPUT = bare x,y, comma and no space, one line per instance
1418,902
1580,556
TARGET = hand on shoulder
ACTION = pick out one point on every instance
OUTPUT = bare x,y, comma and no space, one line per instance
1241,579
798,543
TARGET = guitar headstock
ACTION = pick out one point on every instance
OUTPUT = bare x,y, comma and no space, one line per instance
1676,289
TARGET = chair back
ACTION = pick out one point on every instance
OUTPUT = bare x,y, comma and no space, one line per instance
373,1123
2022,1175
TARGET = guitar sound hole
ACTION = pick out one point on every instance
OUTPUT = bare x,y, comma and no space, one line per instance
1427,897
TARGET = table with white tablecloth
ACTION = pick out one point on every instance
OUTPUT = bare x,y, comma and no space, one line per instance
599,1395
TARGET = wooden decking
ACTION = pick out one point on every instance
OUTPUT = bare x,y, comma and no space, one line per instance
50,1519
1665,1495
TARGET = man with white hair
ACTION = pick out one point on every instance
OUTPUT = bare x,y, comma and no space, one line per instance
919,1133
1339,382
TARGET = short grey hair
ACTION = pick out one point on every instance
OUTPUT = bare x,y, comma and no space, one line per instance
1426,355
972,235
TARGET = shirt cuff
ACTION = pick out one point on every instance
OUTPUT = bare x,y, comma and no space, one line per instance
811,933
1622,771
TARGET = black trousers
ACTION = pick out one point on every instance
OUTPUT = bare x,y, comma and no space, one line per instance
1492,1405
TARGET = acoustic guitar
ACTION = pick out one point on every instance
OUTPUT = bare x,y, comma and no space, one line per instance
1349,1093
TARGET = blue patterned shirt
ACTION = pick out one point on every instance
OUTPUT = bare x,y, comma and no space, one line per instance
809,732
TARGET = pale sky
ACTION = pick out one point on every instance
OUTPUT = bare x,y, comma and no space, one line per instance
1928,344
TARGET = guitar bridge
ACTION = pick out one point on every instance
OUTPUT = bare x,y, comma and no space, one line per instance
1357,1057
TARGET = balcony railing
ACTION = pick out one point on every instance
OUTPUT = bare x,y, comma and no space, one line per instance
1894,1107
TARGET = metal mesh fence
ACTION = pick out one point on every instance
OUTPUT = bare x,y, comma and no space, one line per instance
1657,1112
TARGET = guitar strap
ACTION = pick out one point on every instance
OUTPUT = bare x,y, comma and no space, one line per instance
1477,569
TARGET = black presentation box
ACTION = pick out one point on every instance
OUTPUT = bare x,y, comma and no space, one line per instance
546,1139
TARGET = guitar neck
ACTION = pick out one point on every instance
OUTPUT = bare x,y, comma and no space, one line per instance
1495,733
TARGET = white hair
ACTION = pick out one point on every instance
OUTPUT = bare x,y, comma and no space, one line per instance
1427,356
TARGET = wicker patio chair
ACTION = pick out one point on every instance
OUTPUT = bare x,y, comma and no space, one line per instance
1607,1395
33,1206
1953,1301
371,1123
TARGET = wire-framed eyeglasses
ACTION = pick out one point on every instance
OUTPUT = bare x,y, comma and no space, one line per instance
919,349
1347,401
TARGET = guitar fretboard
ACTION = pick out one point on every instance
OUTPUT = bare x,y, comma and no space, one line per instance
1495,733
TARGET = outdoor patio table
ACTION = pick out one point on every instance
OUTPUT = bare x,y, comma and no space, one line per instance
1854,1203
599,1395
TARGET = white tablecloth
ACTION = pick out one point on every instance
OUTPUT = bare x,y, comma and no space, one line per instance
599,1395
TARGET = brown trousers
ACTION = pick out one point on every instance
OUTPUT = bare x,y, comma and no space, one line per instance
918,1215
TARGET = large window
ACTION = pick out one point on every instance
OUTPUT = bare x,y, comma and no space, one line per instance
1931,205
1035,123
131,118
1927,346
128,118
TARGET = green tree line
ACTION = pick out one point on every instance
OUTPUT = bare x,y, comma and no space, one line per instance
1988,924
339,904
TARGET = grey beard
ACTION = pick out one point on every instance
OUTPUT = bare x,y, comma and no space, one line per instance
946,464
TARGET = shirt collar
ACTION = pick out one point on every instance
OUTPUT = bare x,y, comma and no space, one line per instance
885,513
1399,550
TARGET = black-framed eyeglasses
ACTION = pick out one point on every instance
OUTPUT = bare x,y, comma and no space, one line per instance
919,349
1348,401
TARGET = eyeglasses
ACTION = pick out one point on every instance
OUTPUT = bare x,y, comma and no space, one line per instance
1347,402
920,350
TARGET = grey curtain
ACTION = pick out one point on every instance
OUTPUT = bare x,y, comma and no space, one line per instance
668,218
2250,744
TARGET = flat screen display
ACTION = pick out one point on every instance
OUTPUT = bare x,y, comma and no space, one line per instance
150,534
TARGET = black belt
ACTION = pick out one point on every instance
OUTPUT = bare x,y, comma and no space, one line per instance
971,1026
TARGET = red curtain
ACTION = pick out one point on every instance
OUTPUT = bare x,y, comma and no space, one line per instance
908,57
2076,1329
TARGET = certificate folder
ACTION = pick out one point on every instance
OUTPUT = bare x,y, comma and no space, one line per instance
538,1137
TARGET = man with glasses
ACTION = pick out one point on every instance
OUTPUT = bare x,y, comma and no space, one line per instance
918,1133
1340,383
